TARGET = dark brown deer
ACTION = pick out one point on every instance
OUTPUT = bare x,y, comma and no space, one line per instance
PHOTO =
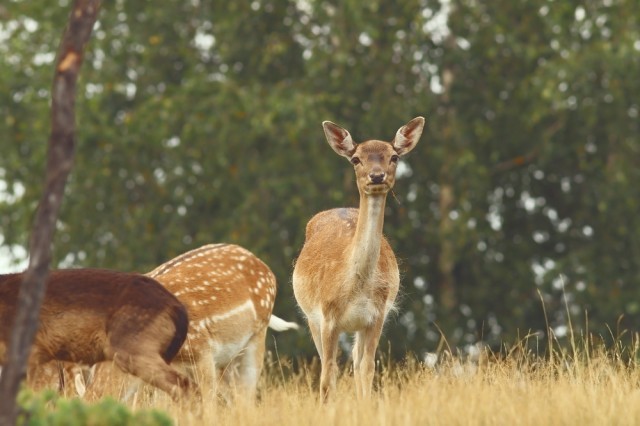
94,315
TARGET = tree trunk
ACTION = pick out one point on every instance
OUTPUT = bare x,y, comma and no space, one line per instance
447,255
59,164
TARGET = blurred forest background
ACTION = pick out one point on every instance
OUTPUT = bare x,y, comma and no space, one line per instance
199,122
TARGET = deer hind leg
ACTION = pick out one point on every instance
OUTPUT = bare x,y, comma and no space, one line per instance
152,369
329,337
215,378
367,343
356,354
243,374
251,363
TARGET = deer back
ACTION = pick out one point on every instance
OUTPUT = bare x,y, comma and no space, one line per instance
82,307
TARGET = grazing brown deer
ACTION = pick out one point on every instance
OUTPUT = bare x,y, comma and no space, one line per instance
229,294
346,277
94,315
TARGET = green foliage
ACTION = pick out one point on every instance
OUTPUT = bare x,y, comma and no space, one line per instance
47,408
200,123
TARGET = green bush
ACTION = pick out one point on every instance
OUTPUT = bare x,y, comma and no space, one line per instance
48,409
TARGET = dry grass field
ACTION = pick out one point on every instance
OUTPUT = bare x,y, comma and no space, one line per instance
582,386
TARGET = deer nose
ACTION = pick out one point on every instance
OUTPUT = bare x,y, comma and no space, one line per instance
376,177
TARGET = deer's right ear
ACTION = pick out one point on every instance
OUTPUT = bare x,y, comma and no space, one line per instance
339,139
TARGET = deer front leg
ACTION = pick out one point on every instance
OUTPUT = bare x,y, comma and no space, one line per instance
367,343
329,337
356,354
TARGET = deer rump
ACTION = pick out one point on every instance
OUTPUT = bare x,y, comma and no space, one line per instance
94,315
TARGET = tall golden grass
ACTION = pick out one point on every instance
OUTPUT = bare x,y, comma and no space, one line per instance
585,384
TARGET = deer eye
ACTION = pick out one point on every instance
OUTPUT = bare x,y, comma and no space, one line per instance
355,161
394,158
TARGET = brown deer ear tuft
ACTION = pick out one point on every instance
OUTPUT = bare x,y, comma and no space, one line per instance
339,139
408,136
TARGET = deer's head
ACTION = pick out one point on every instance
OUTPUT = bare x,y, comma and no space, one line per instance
374,161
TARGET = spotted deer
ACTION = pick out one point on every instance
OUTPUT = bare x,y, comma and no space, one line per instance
346,277
229,294
94,315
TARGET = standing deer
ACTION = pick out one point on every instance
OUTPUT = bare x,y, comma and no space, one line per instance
346,277
94,315
229,294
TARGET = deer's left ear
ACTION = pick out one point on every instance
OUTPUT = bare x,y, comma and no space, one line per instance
408,136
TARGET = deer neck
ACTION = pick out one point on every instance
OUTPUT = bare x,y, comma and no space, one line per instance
365,247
